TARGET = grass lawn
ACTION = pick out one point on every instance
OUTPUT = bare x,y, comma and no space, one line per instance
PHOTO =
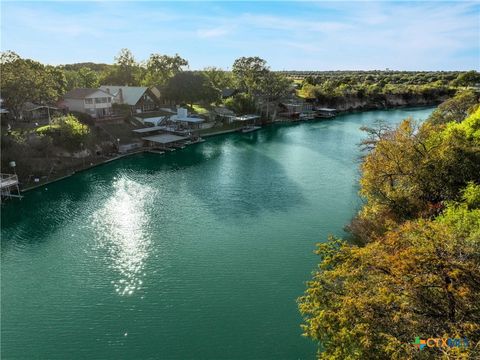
199,109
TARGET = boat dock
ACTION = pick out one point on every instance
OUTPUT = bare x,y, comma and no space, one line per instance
249,121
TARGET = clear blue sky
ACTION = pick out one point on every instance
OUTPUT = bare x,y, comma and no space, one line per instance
289,35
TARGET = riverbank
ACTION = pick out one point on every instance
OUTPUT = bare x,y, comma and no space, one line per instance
208,134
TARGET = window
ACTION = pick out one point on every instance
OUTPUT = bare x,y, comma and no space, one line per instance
88,101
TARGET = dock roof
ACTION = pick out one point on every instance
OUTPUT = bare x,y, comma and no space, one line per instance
247,117
326,109
165,138
186,119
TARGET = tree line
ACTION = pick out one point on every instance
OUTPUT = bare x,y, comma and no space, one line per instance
411,266
334,87
26,80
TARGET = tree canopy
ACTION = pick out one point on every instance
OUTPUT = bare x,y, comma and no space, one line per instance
412,269
161,68
25,80
191,87
249,72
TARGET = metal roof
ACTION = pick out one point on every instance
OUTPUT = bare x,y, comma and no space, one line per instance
81,93
326,109
130,94
186,119
247,117
165,138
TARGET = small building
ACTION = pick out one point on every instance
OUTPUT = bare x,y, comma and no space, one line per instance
31,111
139,98
326,112
94,102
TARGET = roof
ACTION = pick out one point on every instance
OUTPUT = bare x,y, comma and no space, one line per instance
130,94
165,138
326,109
80,93
153,120
247,117
186,119
228,92
149,129
29,106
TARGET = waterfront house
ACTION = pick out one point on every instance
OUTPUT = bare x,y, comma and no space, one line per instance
139,98
94,102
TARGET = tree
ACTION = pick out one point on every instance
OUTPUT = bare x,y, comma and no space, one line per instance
66,131
161,68
190,87
455,109
25,80
241,104
220,78
249,72
421,280
274,87
125,71
81,78
469,78
415,272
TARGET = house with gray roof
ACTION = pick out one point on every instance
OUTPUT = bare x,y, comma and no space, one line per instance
94,102
139,98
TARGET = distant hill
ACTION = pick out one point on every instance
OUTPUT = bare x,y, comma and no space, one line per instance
77,66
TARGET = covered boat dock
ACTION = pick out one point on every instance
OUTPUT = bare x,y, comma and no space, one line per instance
249,121
166,141
326,112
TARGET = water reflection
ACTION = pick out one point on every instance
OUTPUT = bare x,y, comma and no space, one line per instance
121,227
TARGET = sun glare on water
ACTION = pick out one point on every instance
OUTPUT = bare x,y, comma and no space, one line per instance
121,226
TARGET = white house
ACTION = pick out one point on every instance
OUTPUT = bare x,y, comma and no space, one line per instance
95,102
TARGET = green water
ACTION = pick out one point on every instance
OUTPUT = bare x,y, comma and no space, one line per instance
197,254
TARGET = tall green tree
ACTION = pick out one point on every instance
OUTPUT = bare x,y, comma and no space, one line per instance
82,78
191,87
220,78
273,88
25,80
161,68
249,73
126,71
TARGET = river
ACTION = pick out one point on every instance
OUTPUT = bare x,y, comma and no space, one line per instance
196,254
